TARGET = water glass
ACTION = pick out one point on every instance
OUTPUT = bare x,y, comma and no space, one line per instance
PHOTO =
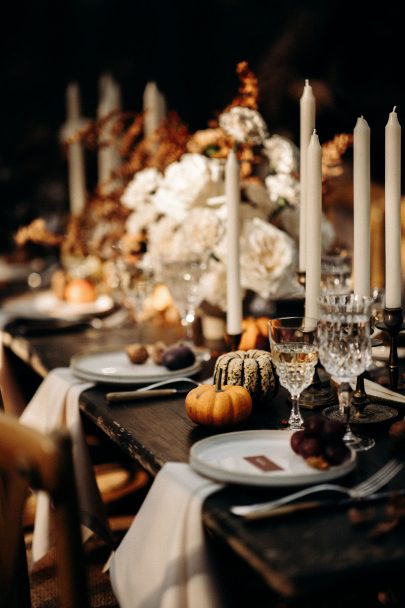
136,282
336,272
182,278
344,349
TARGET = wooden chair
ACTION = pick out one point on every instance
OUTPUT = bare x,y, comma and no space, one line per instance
42,462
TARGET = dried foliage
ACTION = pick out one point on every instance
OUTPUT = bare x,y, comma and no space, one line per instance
162,148
332,152
248,88
37,232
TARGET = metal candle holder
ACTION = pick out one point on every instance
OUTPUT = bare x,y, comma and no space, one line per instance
233,341
319,393
392,324
360,399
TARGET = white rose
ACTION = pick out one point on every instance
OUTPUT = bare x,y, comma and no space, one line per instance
244,125
143,184
201,231
188,183
142,218
283,155
268,258
283,186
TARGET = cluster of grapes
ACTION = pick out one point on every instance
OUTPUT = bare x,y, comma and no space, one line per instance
322,439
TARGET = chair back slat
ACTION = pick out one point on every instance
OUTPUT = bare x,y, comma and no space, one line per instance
44,462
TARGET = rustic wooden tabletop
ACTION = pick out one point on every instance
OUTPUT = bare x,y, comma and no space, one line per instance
318,554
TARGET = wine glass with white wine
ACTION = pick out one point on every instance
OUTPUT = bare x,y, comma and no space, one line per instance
294,350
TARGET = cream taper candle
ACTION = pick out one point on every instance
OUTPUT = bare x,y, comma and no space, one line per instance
233,291
393,212
154,107
361,207
313,223
75,156
108,157
307,125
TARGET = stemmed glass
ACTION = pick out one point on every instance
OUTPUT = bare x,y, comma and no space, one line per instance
293,343
344,349
336,270
182,278
137,281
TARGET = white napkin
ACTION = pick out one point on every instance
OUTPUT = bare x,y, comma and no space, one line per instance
162,562
373,389
56,405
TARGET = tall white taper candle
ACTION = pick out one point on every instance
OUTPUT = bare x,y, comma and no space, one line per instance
307,125
313,222
154,107
393,212
234,295
75,156
108,157
361,207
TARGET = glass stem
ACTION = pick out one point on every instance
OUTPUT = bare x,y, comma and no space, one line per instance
189,331
344,393
295,420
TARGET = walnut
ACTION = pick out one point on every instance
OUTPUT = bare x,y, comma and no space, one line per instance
137,353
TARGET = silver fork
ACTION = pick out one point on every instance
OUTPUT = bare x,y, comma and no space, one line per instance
365,488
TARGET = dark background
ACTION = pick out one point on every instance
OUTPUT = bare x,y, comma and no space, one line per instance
351,52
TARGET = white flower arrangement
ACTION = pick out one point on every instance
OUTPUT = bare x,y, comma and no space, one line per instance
183,210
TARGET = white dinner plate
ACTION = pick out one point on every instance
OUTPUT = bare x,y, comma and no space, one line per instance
47,304
112,366
225,458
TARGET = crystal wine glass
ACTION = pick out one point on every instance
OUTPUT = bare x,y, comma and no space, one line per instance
336,271
344,350
293,343
182,278
137,281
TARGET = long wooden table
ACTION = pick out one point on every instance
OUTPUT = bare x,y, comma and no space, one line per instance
305,555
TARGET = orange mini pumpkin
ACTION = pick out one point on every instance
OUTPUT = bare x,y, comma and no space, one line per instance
218,406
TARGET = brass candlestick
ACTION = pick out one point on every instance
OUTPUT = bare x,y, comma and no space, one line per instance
392,324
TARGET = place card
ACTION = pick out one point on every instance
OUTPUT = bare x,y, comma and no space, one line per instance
263,463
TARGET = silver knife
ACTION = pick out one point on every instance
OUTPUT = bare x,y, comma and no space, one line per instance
322,504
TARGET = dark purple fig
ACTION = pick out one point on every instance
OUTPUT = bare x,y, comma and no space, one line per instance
314,425
310,446
336,453
333,430
177,357
296,439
